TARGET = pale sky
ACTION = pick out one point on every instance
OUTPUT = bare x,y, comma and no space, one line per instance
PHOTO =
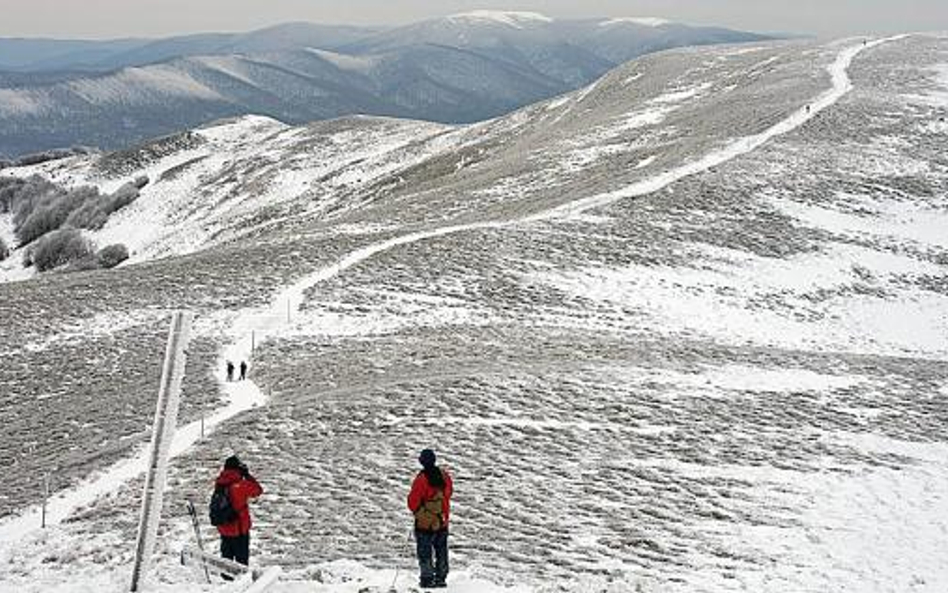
153,18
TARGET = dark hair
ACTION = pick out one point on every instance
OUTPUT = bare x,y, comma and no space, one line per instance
232,462
434,475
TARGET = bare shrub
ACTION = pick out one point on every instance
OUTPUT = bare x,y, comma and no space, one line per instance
112,255
4,250
59,248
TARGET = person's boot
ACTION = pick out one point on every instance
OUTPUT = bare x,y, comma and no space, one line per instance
426,583
438,583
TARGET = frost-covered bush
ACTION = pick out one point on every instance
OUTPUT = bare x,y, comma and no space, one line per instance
112,255
89,216
4,250
9,188
95,211
51,212
59,248
32,192
40,206
83,264
123,196
51,155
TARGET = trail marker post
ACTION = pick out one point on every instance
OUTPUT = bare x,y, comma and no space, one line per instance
45,499
166,419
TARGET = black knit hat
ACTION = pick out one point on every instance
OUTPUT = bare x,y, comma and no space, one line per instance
232,462
427,458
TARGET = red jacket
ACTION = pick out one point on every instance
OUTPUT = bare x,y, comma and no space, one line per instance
240,491
421,491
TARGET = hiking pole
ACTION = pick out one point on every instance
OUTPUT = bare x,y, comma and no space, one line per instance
394,580
197,535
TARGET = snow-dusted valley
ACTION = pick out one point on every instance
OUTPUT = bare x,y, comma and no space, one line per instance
681,330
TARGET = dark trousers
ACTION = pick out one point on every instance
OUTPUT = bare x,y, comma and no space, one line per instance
236,549
436,543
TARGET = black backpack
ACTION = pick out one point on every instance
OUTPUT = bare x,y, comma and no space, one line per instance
221,510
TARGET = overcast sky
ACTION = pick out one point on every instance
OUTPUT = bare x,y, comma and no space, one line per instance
135,18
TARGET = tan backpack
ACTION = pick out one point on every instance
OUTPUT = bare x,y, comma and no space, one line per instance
430,514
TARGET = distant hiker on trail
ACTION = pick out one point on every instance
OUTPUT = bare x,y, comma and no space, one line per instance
430,501
243,370
230,371
230,509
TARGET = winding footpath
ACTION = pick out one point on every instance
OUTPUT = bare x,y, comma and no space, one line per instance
277,316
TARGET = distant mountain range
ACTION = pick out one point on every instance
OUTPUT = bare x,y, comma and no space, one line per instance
455,69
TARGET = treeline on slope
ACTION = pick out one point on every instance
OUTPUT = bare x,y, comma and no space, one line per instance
44,156
48,220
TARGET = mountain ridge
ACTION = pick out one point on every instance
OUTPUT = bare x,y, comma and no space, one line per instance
444,70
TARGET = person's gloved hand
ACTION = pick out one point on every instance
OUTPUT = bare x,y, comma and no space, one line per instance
244,471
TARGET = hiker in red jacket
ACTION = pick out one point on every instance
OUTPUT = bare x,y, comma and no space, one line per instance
430,502
240,487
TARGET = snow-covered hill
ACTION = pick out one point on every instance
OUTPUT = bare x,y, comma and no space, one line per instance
457,69
683,329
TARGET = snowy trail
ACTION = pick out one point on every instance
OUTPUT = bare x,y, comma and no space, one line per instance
261,322
735,148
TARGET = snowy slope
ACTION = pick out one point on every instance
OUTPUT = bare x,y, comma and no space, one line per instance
681,330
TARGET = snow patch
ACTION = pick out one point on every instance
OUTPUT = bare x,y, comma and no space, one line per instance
15,102
236,130
229,65
102,324
902,220
939,97
344,576
641,119
645,162
647,21
140,85
738,377
742,298
344,61
859,531
558,102
677,96
401,310
515,19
